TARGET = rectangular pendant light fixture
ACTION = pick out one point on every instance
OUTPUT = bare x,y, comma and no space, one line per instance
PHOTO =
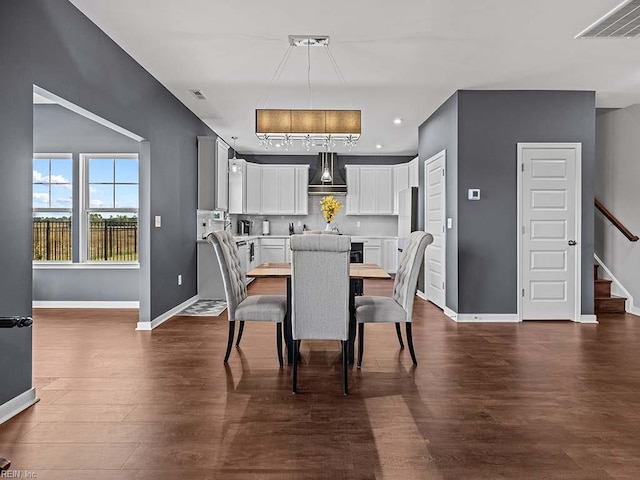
274,122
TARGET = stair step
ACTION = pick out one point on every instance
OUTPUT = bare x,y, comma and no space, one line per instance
595,271
601,288
609,304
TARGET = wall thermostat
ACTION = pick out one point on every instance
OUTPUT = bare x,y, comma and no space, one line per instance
474,194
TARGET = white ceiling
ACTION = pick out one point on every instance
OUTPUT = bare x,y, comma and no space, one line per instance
400,59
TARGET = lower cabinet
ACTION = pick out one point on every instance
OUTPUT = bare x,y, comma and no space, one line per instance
274,250
390,255
373,251
210,286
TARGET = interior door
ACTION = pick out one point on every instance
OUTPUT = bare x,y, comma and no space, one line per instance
434,270
549,255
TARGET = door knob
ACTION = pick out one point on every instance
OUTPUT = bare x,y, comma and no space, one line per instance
572,242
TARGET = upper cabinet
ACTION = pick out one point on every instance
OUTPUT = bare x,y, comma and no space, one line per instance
414,169
370,190
213,178
269,189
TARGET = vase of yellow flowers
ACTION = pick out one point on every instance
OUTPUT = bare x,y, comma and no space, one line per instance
330,206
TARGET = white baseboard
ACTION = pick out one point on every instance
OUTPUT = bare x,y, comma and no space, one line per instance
450,313
16,405
422,295
487,318
83,304
629,304
146,326
588,319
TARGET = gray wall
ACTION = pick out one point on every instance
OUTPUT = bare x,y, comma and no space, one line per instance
440,132
490,124
58,130
51,44
616,186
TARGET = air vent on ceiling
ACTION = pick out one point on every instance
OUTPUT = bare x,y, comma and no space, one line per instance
198,94
621,22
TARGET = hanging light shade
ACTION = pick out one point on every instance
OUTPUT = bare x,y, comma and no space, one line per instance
313,127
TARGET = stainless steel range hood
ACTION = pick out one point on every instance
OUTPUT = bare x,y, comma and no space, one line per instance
327,179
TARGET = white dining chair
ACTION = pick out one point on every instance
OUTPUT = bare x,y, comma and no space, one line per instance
320,293
262,308
398,308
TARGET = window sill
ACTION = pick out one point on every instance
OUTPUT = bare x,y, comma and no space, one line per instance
85,266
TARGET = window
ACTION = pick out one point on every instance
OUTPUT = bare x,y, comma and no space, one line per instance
110,212
52,207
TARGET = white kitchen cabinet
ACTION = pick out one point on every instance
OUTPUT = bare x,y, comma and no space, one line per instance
222,176
400,182
253,188
414,172
287,250
257,260
302,190
372,250
238,188
270,195
284,189
390,255
212,190
369,190
273,250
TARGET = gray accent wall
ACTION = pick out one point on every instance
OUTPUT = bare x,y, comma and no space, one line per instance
616,186
438,133
51,44
490,124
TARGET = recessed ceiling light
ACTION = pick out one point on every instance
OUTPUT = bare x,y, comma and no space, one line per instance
397,121
378,146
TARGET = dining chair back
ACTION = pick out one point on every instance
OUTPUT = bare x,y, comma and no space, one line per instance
269,308
320,292
406,281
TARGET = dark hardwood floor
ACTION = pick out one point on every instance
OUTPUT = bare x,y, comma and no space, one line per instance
552,400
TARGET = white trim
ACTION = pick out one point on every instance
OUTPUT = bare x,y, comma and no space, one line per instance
85,113
450,313
422,295
588,319
147,326
630,306
17,404
487,318
85,304
578,215
86,266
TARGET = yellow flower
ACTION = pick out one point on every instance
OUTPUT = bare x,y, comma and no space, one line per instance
329,206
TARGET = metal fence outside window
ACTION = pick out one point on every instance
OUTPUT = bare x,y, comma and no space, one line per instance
109,240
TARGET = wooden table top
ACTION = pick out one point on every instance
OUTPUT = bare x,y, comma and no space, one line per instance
356,270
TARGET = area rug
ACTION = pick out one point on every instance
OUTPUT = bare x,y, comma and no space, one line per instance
205,308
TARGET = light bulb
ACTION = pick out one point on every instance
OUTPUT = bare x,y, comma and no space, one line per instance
326,176
234,167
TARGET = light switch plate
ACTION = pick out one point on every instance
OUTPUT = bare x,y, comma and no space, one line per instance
449,223
474,194
158,221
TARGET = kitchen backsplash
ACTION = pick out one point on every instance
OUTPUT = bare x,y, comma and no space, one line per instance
384,225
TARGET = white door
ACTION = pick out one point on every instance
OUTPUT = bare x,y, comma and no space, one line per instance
549,223
434,268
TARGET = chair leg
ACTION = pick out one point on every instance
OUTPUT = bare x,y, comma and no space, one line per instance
345,362
399,335
232,329
410,342
360,343
295,367
240,330
279,341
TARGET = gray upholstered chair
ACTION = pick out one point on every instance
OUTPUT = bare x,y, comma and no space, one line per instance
399,308
264,308
320,293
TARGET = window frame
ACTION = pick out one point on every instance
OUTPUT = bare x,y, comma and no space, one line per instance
70,210
86,209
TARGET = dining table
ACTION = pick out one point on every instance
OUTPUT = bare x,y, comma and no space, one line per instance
357,271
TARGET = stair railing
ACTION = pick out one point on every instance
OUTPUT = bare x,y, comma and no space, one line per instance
616,223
